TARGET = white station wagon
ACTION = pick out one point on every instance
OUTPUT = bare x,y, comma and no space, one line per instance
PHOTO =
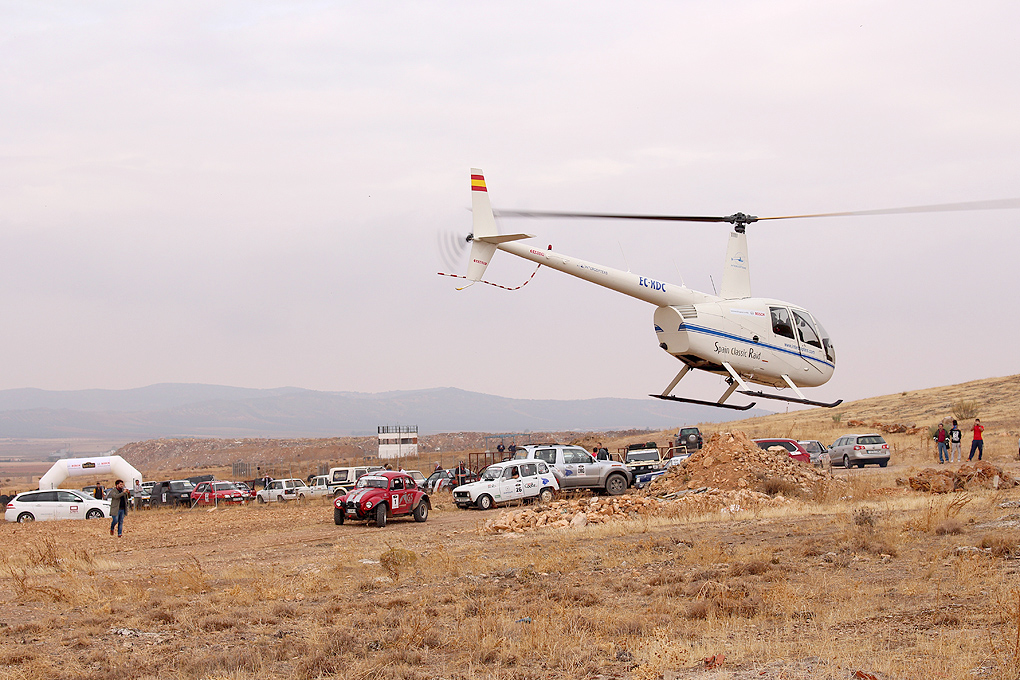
55,504
282,490
508,481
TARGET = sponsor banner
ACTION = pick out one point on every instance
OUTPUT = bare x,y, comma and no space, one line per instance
89,466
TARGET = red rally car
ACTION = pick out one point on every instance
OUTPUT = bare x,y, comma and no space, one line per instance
382,494
213,493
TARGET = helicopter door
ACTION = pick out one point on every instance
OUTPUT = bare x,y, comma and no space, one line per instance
810,342
782,326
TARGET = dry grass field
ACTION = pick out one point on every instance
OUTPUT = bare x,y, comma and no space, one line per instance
866,580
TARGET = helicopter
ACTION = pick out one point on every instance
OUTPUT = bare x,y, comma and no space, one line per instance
747,340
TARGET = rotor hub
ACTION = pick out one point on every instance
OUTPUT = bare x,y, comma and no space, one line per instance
740,221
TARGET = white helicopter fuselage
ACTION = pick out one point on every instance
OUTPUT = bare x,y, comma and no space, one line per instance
704,331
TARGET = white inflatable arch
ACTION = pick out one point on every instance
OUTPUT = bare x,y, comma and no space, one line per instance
101,466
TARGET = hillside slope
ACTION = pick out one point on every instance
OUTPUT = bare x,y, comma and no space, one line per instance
997,401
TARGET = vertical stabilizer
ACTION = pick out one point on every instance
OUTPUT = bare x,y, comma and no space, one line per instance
736,280
483,224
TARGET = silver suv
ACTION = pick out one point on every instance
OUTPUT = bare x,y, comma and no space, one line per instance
575,468
860,450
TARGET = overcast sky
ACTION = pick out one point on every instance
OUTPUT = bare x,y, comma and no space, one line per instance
250,193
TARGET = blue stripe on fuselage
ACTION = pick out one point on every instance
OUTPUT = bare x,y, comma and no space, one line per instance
729,336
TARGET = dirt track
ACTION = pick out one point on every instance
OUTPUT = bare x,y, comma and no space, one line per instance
815,590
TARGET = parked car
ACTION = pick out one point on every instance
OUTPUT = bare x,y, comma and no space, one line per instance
689,438
643,480
797,452
29,506
860,450
446,479
508,481
214,493
380,496
343,479
173,492
282,490
642,458
575,468
818,451
417,476
319,486
249,493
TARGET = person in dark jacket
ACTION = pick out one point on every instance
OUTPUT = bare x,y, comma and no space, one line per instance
118,507
942,439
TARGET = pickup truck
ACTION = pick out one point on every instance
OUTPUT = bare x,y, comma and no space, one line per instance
575,468
320,486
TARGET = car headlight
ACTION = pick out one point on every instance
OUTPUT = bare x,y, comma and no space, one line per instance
368,505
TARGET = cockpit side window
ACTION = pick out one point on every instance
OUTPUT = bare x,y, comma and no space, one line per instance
781,322
806,329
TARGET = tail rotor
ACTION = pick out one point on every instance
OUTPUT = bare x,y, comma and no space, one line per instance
453,249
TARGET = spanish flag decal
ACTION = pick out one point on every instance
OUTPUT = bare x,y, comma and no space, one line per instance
477,183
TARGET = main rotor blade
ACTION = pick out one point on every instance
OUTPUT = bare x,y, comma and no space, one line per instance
998,204
609,216
738,218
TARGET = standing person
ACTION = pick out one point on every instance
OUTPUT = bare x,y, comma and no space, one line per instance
500,449
942,439
513,449
98,493
955,437
118,507
979,442
136,495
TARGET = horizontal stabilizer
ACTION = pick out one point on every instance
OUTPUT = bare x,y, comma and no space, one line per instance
503,238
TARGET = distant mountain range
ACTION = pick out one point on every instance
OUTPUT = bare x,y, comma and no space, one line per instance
168,410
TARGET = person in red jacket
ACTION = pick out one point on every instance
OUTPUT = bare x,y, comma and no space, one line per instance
978,444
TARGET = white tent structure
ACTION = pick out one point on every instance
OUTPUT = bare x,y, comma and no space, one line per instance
78,467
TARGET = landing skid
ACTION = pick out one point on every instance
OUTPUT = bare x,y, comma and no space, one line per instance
702,403
792,400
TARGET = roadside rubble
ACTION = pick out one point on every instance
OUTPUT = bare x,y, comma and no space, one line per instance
732,461
580,512
730,474
888,428
981,475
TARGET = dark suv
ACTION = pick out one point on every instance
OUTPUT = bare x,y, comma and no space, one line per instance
174,492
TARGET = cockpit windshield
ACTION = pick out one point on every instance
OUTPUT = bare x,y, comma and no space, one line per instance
830,351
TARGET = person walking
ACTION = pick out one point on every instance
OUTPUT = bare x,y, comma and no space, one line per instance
118,507
979,443
942,439
955,438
